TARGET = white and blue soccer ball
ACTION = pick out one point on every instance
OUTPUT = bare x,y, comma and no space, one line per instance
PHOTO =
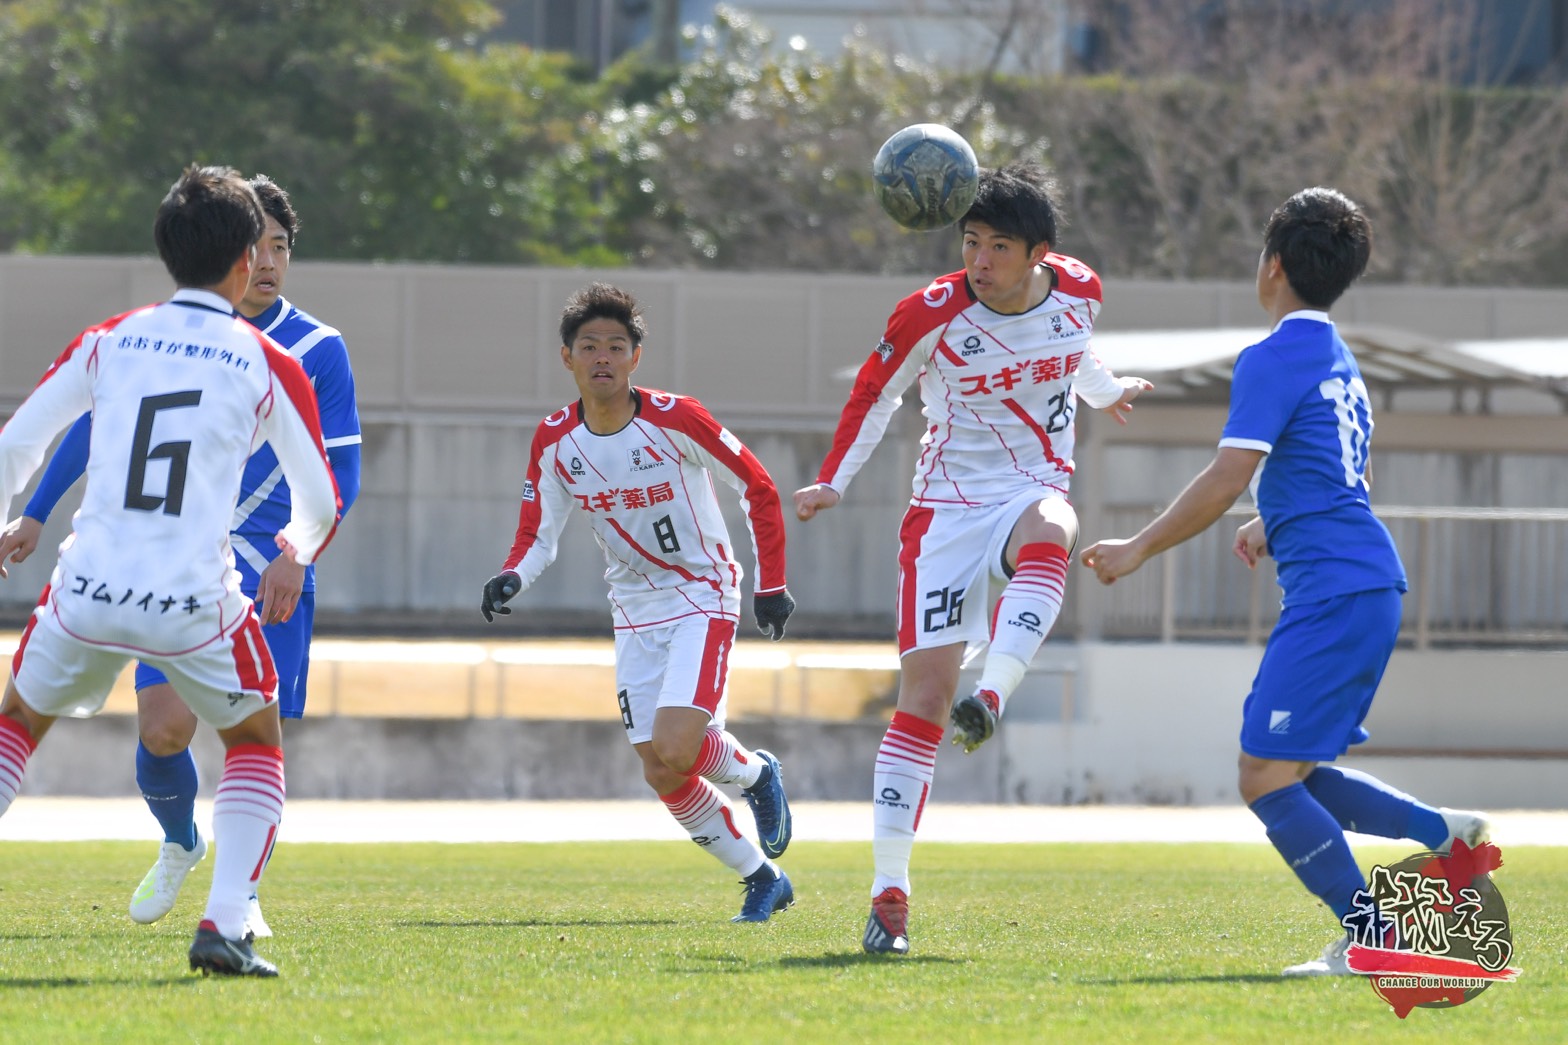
925,176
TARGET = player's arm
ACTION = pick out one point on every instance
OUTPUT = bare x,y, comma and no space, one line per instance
340,431
879,390
63,395
718,450
291,422
540,517
20,537
1103,390
1199,506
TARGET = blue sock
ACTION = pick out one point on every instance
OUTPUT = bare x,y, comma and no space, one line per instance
1361,802
1312,844
169,785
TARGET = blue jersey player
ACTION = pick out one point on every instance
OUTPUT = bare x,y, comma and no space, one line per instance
1299,427
283,590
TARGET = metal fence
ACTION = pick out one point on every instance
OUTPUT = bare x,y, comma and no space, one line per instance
1478,576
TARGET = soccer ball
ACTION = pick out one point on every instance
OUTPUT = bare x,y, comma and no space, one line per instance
925,176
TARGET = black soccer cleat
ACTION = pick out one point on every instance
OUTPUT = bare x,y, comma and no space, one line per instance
768,891
770,807
974,719
212,952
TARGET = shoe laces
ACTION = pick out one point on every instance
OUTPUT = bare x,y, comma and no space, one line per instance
759,893
891,906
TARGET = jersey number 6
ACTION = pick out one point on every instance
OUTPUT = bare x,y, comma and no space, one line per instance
176,453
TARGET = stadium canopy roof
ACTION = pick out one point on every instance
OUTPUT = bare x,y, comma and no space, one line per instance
1195,365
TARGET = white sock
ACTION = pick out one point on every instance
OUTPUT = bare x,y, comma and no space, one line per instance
901,781
1024,616
701,809
723,760
245,816
16,747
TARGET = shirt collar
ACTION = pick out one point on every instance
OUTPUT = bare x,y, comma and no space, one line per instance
202,299
1316,315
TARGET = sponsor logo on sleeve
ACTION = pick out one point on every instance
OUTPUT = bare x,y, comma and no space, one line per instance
728,439
938,293
528,490
885,349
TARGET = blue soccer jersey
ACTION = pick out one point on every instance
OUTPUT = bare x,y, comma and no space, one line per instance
1298,396
263,506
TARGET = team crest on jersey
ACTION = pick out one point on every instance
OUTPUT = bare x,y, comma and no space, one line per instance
645,457
938,293
1056,323
885,349
528,490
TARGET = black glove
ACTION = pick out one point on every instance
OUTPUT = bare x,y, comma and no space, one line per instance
772,611
498,592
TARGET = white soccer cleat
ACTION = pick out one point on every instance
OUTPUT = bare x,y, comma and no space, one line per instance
1467,825
155,897
256,926
1333,962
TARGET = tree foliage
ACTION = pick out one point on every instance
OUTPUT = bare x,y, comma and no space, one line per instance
405,132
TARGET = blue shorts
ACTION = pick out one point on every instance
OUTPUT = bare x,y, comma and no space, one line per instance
1320,669
289,643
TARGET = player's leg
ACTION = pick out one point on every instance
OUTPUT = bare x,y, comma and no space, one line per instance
289,643
60,676
1035,560
1361,802
689,734
691,684
166,775
901,783
1312,691
233,688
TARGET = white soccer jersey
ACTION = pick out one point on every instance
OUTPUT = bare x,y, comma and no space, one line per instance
181,394
997,390
648,493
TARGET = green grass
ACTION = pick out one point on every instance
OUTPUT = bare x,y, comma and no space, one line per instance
631,942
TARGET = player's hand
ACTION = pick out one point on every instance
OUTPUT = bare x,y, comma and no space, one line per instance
772,612
1250,544
277,594
1112,558
19,540
813,499
498,592
1132,388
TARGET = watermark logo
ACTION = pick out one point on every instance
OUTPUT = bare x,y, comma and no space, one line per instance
1432,931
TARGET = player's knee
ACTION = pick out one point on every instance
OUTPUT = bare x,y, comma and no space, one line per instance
676,753
166,734
663,779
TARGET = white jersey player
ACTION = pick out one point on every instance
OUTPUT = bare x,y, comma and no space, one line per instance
1002,354
181,394
640,465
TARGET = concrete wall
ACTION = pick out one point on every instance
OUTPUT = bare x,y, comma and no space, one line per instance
1093,723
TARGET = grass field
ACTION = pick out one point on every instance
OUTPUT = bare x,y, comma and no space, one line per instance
631,942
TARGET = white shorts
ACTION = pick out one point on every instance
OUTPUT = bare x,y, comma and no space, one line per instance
224,683
685,665
951,566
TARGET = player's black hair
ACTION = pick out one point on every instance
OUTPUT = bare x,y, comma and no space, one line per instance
1020,199
1323,242
602,301
277,204
206,223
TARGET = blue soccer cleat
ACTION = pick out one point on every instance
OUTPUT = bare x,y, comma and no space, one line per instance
770,807
767,891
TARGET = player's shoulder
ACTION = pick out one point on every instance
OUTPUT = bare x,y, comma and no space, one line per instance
302,331
940,300
555,425
1074,278
670,409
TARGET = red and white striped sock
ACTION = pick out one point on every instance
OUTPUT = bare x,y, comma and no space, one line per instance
1025,614
901,781
16,747
245,816
701,809
723,760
